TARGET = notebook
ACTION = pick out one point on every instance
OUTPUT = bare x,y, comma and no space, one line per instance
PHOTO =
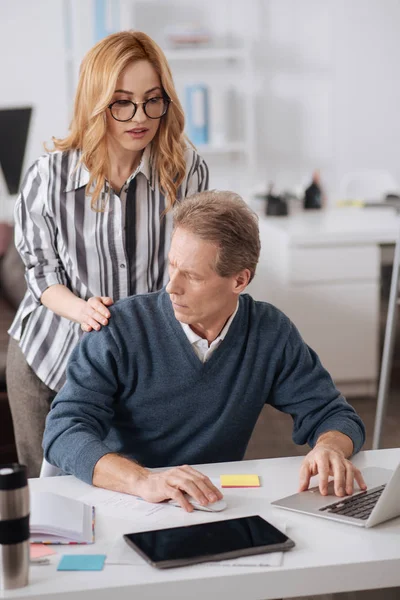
56,519
377,504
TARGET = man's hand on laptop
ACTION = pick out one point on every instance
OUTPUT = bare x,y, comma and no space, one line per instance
173,483
329,458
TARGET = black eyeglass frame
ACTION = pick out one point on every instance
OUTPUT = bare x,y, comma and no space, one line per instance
167,102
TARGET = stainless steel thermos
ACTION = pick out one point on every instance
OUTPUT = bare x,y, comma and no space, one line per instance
14,526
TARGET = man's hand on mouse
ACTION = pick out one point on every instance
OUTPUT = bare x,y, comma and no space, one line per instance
329,458
174,483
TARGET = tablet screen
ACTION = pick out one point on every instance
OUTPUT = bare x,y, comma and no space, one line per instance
208,541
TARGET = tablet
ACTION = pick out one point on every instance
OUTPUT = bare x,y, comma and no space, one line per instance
219,540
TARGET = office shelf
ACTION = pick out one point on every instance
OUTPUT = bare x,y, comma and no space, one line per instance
209,53
230,147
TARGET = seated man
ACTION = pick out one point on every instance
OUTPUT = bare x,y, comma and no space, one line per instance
180,376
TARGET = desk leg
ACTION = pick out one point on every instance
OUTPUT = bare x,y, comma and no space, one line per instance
388,347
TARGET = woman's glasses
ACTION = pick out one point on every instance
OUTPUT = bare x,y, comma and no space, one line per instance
125,110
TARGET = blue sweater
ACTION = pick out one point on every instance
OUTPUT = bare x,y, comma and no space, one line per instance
137,388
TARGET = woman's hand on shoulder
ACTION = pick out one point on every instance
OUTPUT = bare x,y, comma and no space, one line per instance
94,313
90,314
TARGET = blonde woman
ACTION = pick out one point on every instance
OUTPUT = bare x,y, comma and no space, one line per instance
92,219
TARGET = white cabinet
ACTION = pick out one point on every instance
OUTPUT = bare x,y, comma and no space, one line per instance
341,263
323,271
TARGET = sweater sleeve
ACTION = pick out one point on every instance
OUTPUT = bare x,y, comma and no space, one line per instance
305,390
82,412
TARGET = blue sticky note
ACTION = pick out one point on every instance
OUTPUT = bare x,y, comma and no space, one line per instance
81,562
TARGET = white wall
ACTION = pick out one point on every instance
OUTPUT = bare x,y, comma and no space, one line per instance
295,103
367,85
32,70
331,88
328,84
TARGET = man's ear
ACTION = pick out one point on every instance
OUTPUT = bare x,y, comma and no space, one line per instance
241,281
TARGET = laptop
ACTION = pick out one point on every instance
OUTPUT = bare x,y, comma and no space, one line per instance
379,503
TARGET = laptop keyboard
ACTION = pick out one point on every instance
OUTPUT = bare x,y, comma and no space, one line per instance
359,506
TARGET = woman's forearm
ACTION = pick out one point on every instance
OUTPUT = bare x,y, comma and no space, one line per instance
63,302
91,314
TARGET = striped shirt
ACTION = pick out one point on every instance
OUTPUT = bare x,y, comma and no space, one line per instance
118,252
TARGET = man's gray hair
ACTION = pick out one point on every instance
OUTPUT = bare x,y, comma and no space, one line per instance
224,219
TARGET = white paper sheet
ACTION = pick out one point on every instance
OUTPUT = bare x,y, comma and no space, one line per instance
121,505
134,509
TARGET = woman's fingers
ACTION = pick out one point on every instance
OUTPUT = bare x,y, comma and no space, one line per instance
106,300
97,304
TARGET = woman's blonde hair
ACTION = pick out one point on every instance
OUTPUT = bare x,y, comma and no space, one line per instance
98,77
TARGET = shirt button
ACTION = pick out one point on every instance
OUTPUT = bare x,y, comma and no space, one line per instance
122,266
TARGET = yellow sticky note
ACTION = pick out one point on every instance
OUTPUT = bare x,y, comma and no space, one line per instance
239,481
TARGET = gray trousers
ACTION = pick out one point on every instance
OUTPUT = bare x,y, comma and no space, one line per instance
30,400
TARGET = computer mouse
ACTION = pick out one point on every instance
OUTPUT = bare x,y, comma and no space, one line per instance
214,507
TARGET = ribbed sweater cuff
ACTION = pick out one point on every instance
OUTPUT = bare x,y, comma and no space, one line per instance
87,458
348,427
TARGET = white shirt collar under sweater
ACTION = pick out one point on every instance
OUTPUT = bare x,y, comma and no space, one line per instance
200,345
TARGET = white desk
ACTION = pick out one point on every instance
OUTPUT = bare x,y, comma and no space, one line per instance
328,557
322,268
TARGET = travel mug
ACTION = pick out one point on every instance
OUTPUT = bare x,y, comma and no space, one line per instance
14,526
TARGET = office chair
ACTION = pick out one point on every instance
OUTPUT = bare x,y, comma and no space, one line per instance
48,470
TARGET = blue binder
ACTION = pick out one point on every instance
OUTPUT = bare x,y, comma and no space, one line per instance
197,113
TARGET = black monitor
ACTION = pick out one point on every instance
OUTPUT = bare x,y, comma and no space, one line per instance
14,127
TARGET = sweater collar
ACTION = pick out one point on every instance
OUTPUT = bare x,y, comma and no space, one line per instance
236,330
194,338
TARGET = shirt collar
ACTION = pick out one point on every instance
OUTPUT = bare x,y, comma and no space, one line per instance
78,176
146,166
194,337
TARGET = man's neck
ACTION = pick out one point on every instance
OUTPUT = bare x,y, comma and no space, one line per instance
210,331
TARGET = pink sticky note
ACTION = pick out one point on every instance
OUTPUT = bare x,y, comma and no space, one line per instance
39,550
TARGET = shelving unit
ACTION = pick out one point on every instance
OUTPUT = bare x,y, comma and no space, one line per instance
205,53
229,76
226,67
229,148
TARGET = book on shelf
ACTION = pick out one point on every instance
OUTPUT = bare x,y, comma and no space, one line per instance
55,519
197,113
